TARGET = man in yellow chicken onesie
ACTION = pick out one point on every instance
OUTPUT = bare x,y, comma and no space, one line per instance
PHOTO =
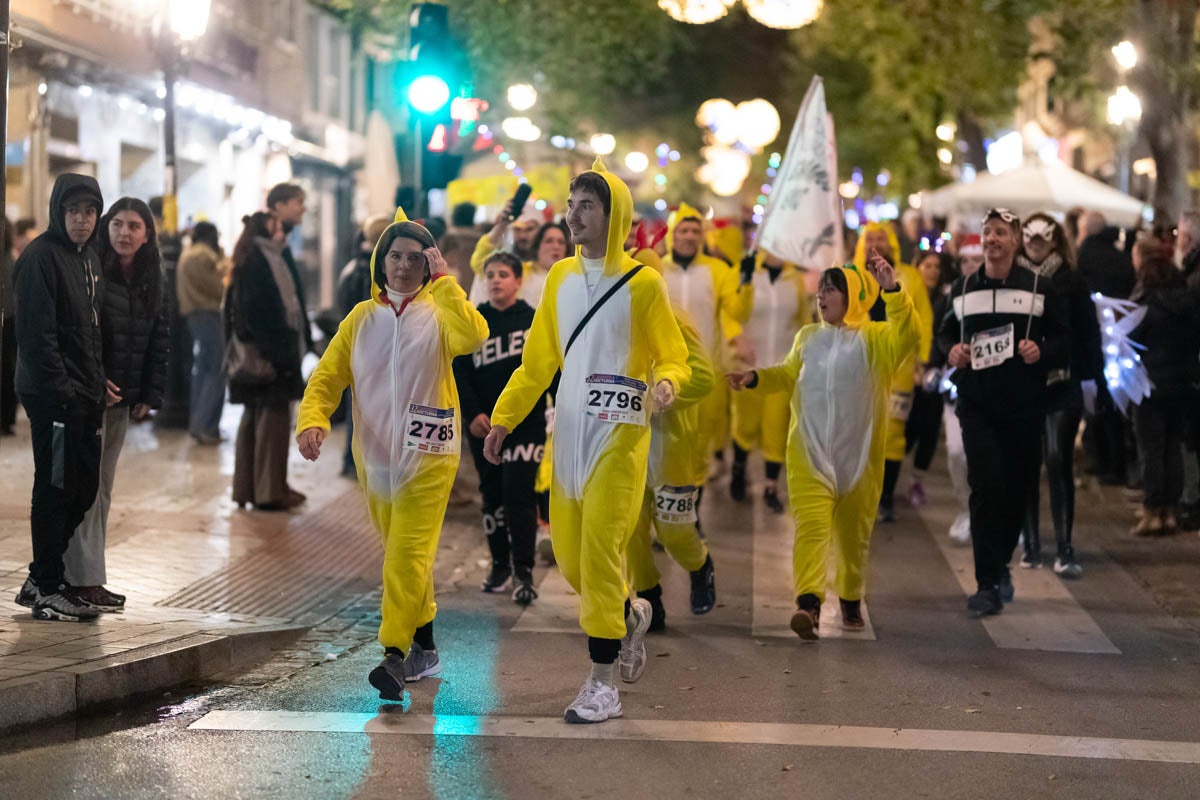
707,290
881,238
606,322
838,374
395,351
673,482
760,421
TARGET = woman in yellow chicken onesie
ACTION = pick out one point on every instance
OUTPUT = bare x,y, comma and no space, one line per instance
781,308
673,485
606,322
882,239
708,290
395,352
839,374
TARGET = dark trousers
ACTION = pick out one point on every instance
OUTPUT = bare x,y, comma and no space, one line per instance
510,509
1003,451
66,475
1160,426
1058,449
260,454
923,428
8,371
1105,441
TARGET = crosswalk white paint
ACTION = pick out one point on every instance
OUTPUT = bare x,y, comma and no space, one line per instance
700,731
1043,616
774,600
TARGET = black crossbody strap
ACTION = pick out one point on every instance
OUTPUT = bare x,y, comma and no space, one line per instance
591,312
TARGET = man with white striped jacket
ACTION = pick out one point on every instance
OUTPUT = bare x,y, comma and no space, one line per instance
1004,331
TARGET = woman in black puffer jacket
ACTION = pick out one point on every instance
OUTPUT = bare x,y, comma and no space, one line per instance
134,334
264,311
1170,334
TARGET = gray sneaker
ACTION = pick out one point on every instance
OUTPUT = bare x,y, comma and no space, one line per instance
28,595
64,605
388,677
421,663
632,661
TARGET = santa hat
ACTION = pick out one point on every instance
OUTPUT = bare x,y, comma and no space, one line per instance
971,245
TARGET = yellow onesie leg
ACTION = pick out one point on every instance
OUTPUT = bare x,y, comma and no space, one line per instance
639,556
760,421
853,522
410,524
895,446
681,541
813,514
590,535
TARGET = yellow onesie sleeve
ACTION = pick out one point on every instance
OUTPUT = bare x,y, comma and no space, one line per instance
782,377
914,287
667,349
737,301
483,249
701,381
332,374
539,363
889,343
463,327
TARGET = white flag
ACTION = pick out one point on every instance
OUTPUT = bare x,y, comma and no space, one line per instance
802,222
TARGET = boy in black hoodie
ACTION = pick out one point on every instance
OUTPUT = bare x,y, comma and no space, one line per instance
509,500
60,379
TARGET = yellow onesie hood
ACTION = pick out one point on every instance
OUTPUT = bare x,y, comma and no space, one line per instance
727,240
677,216
860,249
862,295
620,218
400,227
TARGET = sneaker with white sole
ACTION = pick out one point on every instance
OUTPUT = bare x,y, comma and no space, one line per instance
595,702
63,605
388,677
960,530
421,663
1067,567
632,661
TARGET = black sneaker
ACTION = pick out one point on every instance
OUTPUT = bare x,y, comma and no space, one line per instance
704,588
806,619
99,598
852,618
737,483
28,595
887,512
985,602
772,501
1007,592
658,612
497,579
523,591
388,677
64,604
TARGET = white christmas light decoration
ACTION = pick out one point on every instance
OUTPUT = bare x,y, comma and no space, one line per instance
696,12
757,123
784,13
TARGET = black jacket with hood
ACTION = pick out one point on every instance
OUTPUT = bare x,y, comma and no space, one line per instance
135,328
59,294
1106,269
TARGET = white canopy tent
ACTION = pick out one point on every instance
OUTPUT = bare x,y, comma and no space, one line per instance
1042,186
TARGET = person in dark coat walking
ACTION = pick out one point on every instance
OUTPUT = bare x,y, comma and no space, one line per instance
8,333
1170,334
60,380
264,311
135,330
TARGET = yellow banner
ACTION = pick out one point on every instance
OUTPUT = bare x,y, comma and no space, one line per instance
549,183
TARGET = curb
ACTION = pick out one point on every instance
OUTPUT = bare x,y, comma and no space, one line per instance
69,690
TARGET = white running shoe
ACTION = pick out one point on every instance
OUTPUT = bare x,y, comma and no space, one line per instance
595,702
960,530
632,662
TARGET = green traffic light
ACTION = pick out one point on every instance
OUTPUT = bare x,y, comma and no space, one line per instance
428,94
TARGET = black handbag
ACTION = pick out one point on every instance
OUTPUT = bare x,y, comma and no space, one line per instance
244,364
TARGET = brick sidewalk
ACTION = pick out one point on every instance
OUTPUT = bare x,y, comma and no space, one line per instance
190,562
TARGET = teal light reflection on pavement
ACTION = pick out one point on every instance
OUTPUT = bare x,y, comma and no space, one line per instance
468,646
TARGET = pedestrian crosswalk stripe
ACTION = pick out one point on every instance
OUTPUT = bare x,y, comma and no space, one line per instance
698,731
1044,616
774,601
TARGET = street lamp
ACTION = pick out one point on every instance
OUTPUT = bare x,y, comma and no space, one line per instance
1126,55
1124,112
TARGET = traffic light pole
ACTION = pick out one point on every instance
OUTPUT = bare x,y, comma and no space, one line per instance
418,178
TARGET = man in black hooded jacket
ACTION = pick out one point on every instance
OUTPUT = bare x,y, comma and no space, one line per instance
60,379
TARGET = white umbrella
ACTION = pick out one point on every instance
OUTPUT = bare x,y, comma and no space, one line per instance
1040,186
